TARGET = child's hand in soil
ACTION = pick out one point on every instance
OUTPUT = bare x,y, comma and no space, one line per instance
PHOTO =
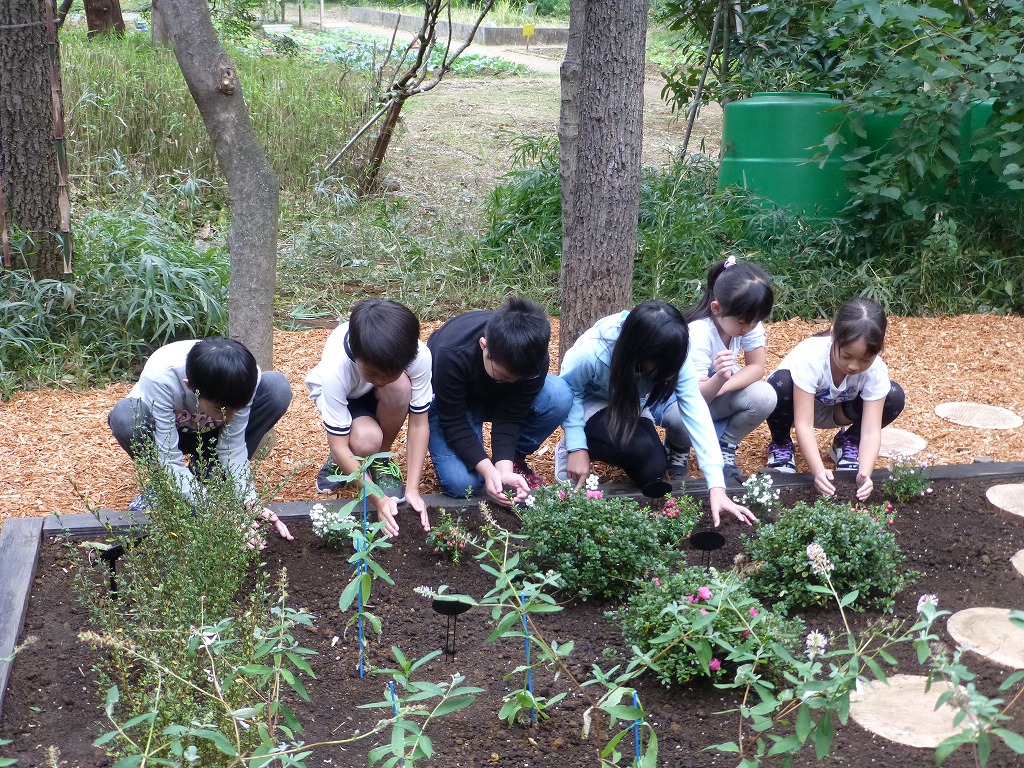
256,539
864,486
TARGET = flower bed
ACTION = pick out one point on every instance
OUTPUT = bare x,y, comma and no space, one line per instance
953,537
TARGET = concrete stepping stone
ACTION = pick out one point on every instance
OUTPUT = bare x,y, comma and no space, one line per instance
990,633
1009,497
903,712
1017,561
900,442
978,415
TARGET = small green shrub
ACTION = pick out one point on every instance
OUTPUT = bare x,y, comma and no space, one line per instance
600,546
699,623
907,480
449,536
859,540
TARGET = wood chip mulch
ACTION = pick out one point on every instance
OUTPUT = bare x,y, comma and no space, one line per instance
58,455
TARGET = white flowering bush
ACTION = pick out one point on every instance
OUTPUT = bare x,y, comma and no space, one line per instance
334,525
759,494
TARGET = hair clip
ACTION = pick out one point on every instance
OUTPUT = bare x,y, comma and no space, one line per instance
730,262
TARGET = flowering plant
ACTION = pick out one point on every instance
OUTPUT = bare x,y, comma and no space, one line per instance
871,565
907,480
700,623
449,536
600,546
334,524
759,494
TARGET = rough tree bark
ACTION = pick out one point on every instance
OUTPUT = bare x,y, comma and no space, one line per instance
252,183
104,17
28,154
600,134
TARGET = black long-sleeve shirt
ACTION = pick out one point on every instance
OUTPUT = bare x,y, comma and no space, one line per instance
461,385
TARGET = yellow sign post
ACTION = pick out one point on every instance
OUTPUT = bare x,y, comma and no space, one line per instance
528,30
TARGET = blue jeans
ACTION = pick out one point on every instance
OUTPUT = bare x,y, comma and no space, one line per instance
549,410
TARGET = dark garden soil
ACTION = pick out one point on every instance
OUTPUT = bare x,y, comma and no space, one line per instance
954,537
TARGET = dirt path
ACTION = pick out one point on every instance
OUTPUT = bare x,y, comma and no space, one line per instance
454,142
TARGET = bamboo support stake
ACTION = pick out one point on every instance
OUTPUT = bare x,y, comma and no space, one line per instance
64,200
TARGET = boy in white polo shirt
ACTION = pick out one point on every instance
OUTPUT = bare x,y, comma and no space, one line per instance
374,373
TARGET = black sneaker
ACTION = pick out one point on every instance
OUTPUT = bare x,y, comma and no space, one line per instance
678,460
729,467
782,457
387,475
845,453
324,484
520,467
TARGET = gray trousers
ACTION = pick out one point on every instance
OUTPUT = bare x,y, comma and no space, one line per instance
132,423
735,414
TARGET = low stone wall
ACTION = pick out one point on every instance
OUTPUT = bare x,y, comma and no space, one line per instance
485,35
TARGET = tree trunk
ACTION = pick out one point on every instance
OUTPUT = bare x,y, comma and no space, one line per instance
104,17
367,183
252,183
29,92
601,125
159,35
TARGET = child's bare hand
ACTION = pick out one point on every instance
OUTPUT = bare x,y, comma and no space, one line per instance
864,486
823,482
723,363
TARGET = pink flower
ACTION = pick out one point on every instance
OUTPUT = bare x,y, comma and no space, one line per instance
704,593
656,581
561,495
714,665
704,611
745,633
753,612
594,494
690,598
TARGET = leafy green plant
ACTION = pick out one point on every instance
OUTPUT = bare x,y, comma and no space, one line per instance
907,479
449,536
409,740
184,573
698,623
600,546
820,682
871,567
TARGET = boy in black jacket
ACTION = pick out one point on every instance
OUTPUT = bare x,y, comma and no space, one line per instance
493,366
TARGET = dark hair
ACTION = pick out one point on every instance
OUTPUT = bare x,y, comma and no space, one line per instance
655,331
860,319
222,371
743,289
384,334
517,336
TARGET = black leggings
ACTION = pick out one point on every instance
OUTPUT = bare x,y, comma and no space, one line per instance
781,421
642,456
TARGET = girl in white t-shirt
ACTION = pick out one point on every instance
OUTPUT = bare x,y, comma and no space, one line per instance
727,320
836,379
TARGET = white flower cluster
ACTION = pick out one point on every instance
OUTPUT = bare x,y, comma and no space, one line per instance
759,493
820,563
593,482
816,643
335,525
932,600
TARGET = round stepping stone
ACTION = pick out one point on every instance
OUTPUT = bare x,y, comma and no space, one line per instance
1017,561
978,415
899,442
1009,497
903,712
990,633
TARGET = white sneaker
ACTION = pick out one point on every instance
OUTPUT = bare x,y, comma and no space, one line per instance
561,462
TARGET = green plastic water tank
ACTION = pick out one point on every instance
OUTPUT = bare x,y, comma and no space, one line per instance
977,179
767,143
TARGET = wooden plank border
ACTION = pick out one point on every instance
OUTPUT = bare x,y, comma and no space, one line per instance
19,549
